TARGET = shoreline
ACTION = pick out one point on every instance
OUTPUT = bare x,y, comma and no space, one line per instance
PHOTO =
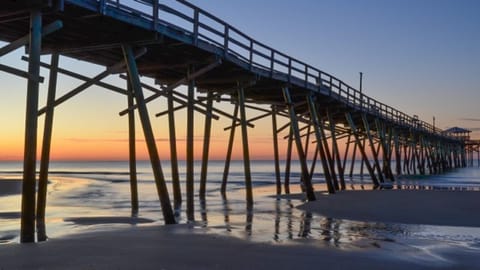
177,247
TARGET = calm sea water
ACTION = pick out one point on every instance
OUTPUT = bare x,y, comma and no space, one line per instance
85,196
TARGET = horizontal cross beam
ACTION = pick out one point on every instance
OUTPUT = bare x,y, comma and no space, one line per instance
82,78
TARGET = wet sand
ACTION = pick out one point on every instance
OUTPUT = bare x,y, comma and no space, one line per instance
10,186
176,247
190,247
432,207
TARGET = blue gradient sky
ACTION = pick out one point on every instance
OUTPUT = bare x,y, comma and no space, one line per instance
420,56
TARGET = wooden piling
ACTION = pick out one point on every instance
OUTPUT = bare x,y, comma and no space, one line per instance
177,191
246,153
275,150
361,148
372,146
132,152
345,156
328,156
149,137
318,135
288,161
228,158
206,146
398,157
335,150
45,156
27,230
354,157
298,142
190,152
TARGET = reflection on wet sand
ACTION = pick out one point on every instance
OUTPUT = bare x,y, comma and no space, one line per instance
291,225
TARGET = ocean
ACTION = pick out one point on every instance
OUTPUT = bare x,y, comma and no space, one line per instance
92,195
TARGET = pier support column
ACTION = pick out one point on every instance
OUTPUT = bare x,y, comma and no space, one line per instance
335,151
347,148
149,137
389,153
398,157
288,161
298,142
45,158
228,158
385,145
354,156
27,230
318,135
132,151
206,146
275,150
246,153
328,156
314,162
372,146
177,191
361,148
190,151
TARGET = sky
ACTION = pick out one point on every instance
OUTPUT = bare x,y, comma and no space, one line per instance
421,57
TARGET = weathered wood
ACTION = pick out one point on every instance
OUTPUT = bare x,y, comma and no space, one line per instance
354,157
177,191
27,221
223,188
94,80
288,161
328,156
275,151
318,134
246,152
45,156
361,147
372,146
190,153
187,79
298,142
132,152
74,75
345,155
21,73
206,147
335,151
162,190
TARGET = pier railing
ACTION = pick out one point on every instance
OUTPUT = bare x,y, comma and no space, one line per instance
199,25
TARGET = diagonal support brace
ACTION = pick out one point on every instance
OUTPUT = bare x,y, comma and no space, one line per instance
177,84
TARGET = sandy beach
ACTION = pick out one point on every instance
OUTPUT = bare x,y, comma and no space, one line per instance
10,186
187,246
432,207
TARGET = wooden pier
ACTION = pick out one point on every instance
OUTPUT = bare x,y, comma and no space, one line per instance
133,38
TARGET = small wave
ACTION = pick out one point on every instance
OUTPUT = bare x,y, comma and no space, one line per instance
7,238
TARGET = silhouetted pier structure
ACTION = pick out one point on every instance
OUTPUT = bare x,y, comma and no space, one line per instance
181,44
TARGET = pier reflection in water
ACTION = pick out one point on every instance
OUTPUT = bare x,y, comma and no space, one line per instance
285,224
278,221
